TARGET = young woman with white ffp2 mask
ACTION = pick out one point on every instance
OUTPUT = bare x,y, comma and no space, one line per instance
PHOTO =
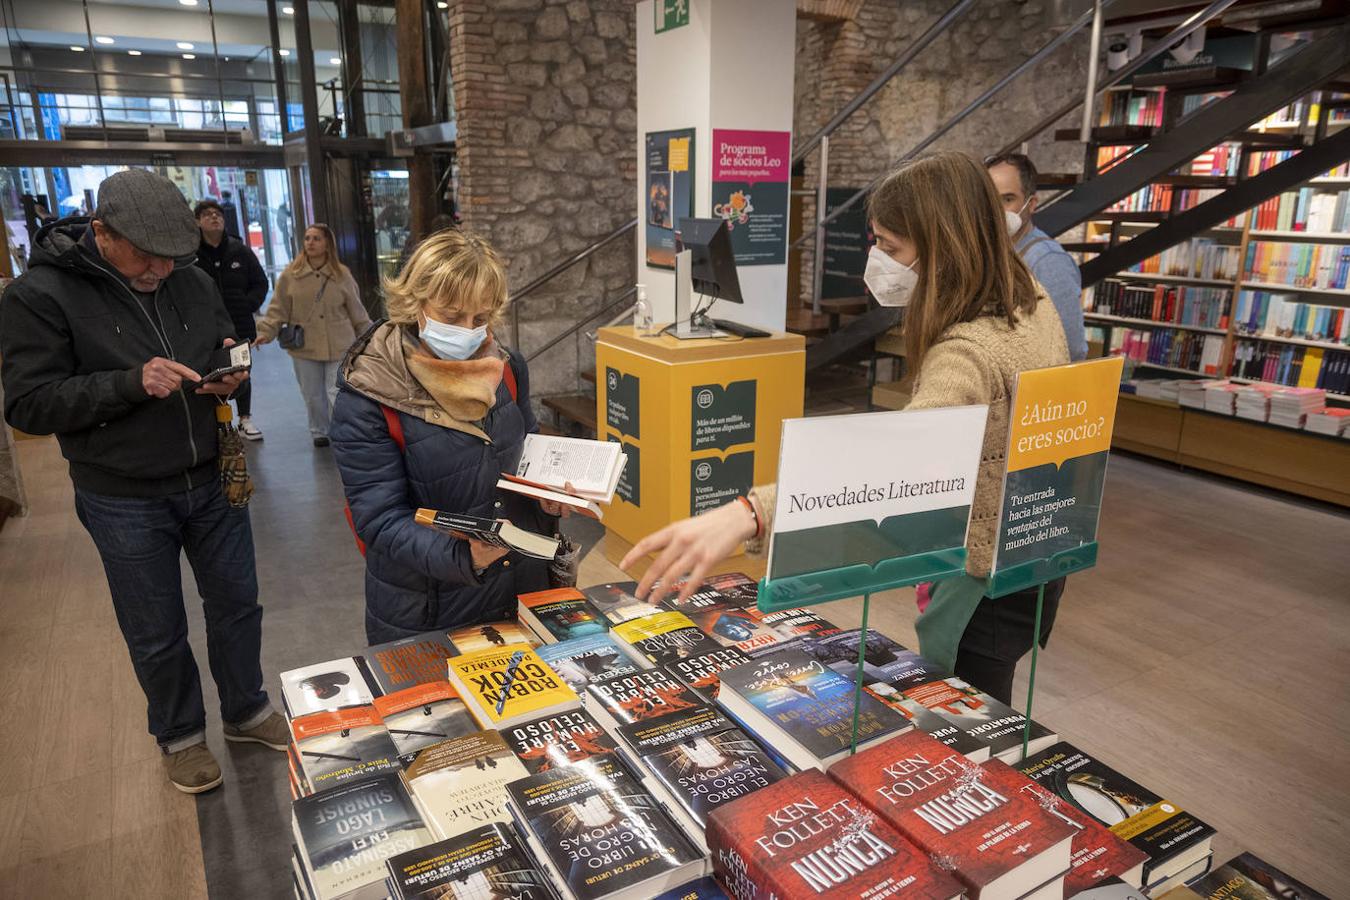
974,318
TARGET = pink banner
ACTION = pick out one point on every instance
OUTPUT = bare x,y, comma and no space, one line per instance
751,156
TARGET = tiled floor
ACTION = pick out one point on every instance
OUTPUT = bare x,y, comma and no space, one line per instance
1208,655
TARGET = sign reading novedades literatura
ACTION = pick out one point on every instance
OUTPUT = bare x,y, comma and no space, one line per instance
865,488
1058,442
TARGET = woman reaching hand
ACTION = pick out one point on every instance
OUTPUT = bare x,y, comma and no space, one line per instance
974,319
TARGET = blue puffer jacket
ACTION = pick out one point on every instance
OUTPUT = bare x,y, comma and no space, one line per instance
418,579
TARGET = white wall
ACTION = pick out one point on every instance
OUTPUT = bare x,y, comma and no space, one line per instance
731,67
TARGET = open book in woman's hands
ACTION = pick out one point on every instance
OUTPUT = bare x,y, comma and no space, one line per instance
578,473
498,532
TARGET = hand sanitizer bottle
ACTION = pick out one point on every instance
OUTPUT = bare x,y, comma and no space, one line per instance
642,312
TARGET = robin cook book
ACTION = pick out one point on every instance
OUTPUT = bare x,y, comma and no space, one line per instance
805,836
976,822
510,684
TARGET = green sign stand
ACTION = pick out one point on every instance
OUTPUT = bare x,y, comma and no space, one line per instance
1038,573
864,581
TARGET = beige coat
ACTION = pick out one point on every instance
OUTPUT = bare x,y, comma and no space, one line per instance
976,363
326,303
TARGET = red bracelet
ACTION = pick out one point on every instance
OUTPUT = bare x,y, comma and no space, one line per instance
754,514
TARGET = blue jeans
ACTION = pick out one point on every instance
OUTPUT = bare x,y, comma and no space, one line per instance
140,540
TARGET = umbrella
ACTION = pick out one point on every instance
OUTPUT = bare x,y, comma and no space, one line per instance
234,477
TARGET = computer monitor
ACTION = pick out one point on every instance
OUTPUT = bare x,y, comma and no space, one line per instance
713,265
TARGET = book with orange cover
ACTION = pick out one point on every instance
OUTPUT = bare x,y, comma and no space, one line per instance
424,714
339,745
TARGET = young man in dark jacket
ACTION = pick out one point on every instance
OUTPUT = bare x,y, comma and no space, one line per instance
243,285
102,341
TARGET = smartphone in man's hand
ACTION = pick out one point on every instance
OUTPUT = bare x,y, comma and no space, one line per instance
227,361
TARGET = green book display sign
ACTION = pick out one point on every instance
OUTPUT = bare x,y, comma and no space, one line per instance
871,502
1059,438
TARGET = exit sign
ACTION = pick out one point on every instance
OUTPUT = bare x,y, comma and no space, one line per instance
671,14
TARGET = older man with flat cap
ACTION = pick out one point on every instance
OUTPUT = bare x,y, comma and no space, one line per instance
102,340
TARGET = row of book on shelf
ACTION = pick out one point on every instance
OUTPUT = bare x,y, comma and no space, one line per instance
1297,264
1196,258
1203,307
1304,408
1312,208
603,747
1126,106
1258,313
1174,349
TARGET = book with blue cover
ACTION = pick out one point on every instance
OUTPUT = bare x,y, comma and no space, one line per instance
585,659
803,708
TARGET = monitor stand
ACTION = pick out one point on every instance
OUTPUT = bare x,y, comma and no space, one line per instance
688,324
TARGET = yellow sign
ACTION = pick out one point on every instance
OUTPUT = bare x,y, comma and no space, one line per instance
679,155
1063,412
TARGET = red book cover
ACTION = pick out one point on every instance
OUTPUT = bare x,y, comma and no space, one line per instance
1097,853
977,822
805,836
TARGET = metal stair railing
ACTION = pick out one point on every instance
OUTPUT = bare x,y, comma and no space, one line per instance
879,319
557,270
821,139
1312,66
609,307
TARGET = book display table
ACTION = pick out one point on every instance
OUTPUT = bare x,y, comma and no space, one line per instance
699,420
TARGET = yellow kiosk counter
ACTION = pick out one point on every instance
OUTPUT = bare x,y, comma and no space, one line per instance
699,419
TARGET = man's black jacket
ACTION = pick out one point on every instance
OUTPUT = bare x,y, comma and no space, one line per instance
241,279
73,339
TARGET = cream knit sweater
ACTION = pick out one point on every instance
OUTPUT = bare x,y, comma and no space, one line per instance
973,363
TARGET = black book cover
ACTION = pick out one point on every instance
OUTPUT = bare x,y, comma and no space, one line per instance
602,831
1249,877
1131,811
642,695
701,672
488,862
884,661
558,740
347,833
739,589
706,597
702,758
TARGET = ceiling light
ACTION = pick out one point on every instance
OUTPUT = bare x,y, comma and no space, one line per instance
103,40
186,45
288,10
441,4
133,53
284,52
189,56
188,2
76,48
335,61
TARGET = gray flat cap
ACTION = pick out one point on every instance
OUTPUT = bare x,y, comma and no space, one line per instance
148,210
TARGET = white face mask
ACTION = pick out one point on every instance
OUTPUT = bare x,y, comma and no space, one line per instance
452,341
1014,219
891,282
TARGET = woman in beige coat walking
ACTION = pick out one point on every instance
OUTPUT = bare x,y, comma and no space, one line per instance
318,294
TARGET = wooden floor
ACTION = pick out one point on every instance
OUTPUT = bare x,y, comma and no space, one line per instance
1208,656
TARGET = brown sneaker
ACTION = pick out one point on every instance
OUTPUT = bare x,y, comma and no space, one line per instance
193,769
270,732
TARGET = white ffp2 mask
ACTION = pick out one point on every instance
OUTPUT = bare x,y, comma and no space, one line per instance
891,282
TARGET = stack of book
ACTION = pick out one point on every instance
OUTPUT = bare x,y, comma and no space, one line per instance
1192,393
667,742
1291,407
1252,401
1167,389
1220,397
1331,421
